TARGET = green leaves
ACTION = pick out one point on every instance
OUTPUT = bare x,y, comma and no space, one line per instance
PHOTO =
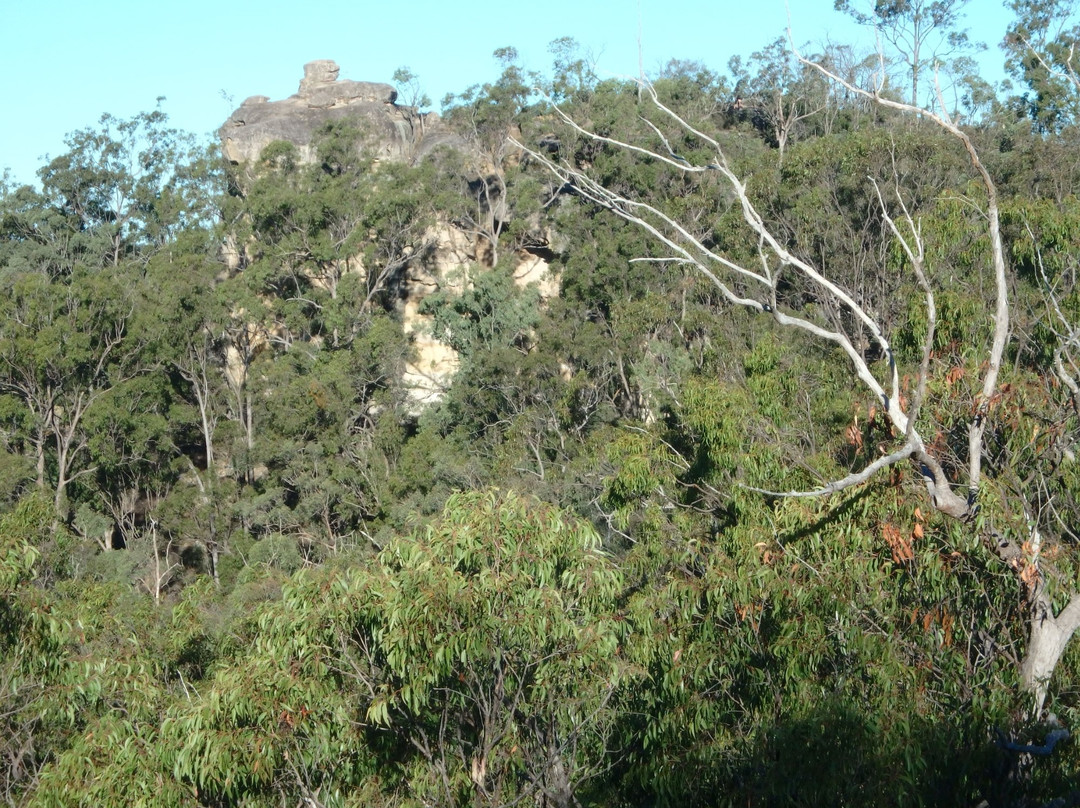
498,618
345,611
128,186
501,611
1040,43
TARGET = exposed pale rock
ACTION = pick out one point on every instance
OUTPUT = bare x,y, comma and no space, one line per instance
448,265
533,269
392,132
320,71
395,133
447,268
428,377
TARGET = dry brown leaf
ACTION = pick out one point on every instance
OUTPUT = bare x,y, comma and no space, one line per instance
900,546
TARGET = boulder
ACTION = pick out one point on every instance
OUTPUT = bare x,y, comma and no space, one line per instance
392,132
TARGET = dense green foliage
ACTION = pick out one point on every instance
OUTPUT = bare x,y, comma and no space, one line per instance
242,564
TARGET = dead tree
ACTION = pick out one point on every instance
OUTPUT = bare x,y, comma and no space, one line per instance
756,286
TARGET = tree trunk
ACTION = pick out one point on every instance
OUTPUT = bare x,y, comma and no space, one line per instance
39,451
1046,642
60,496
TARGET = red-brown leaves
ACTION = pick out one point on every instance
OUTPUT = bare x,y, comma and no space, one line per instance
902,551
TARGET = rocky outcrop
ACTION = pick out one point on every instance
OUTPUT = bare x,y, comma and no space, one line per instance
533,270
449,268
391,132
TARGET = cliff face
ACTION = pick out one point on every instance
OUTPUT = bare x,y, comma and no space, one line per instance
393,132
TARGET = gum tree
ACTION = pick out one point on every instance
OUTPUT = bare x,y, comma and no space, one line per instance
923,33
62,348
1041,48
825,310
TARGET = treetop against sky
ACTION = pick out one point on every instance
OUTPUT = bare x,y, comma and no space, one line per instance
66,63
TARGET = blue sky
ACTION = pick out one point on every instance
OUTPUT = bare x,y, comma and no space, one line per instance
65,62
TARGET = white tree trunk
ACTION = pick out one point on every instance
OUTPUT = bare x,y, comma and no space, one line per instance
1046,642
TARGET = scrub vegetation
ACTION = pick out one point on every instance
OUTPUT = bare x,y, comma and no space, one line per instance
776,503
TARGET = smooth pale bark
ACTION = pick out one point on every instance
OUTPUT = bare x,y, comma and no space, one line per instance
1048,634
1047,639
757,287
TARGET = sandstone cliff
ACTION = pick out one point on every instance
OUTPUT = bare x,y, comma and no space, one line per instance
394,132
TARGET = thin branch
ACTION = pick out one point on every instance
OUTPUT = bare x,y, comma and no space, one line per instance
857,478
977,426
916,255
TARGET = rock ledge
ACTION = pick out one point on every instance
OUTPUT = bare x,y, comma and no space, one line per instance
392,132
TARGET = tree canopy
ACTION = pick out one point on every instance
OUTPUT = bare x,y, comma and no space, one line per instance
753,479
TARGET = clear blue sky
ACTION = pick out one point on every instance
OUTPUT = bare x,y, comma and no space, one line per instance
65,62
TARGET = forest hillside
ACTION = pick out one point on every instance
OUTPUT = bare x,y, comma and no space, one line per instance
706,440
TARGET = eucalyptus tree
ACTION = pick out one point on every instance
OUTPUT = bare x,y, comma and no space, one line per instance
127,186
573,72
473,662
485,115
184,318
791,289
73,258
29,647
924,34
63,346
410,90
779,91
1041,47
122,189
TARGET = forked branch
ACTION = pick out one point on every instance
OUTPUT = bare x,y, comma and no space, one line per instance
756,288
977,425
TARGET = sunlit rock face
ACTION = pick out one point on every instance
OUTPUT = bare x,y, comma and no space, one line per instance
391,132
394,133
533,270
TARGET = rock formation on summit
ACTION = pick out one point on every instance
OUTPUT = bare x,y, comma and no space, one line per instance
393,132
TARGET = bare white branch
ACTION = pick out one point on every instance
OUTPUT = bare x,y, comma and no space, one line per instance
686,248
851,480
977,426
